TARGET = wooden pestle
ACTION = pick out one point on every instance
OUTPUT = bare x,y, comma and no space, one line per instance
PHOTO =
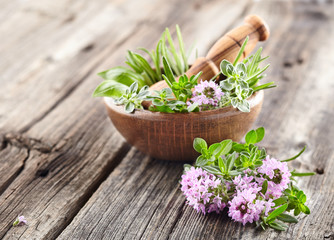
227,47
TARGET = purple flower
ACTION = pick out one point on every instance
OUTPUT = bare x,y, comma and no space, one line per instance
277,174
206,94
245,208
202,190
20,221
246,182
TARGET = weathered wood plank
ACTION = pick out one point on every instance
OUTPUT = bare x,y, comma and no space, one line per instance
300,111
40,71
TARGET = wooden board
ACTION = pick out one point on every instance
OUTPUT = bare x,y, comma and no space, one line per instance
65,167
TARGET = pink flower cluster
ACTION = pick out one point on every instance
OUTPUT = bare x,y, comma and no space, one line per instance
277,174
206,94
206,193
248,204
246,207
202,190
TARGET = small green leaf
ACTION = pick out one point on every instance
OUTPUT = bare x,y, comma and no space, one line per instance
264,187
181,46
221,165
226,146
277,226
187,167
242,48
263,225
306,210
164,108
244,106
260,132
296,212
199,144
223,67
201,161
241,68
193,108
280,201
251,137
277,212
215,149
129,107
294,157
168,72
294,174
212,169
287,218
264,86
134,87
239,147
226,85
230,161
302,199
157,102
110,88
123,75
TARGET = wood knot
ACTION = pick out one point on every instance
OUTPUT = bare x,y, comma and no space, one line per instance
22,141
88,48
320,171
42,173
288,64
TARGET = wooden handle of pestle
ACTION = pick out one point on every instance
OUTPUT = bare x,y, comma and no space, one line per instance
227,47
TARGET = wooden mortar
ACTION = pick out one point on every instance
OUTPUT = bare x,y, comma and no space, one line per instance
170,136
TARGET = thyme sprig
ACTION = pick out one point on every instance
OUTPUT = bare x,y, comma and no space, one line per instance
244,170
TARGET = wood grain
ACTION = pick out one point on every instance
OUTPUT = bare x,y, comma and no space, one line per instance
65,168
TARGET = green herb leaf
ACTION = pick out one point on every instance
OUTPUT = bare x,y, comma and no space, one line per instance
181,46
226,147
187,167
221,165
129,107
123,75
193,108
294,174
306,210
260,132
277,226
242,48
110,88
294,157
224,66
238,147
287,218
264,187
280,201
199,144
296,212
201,161
168,72
277,212
251,137
212,169
215,149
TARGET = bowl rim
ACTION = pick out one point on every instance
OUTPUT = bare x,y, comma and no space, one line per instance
254,99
